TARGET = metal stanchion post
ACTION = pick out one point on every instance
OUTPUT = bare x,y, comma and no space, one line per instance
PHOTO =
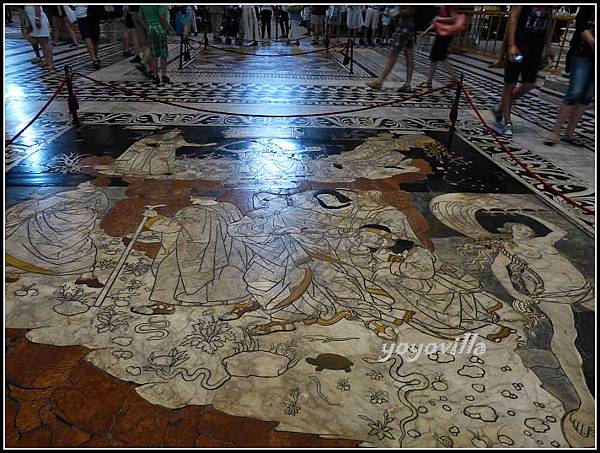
72,101
454,112
181,52
352,56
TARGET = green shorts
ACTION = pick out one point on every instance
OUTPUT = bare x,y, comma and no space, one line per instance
157,41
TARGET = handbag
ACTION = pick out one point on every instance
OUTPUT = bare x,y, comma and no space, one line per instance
71,17
459,25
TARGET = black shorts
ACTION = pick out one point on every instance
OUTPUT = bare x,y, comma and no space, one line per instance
129,21
527,69
439,50
89,28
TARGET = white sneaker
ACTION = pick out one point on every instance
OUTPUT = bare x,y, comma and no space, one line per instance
507,130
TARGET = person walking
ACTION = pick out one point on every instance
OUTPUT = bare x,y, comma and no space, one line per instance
249,24
89,27
334,22
441,44
354,20
216,19
284,21
580,63
266,15
61,18
402,39
529,35
317,20
130,39
157,28
40,32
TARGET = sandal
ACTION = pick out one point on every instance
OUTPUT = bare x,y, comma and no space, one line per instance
573,141
154,309
550,141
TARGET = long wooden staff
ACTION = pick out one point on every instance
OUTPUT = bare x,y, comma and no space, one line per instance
117,270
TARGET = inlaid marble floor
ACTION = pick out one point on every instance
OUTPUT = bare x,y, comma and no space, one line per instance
329,281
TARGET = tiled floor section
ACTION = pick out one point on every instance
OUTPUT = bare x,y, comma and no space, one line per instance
64,401
72,397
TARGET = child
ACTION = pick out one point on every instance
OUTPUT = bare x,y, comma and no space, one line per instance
157,27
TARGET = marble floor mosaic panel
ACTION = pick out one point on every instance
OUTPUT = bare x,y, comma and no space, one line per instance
392,286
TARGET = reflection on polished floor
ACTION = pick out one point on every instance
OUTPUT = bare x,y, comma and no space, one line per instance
180,279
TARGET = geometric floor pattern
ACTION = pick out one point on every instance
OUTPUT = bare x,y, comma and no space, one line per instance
385,282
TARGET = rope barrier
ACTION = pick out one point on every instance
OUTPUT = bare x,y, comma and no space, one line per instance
38,114
272,55
518,161
260,115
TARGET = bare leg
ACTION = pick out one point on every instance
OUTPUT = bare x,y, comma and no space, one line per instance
563,347
449,69
70,30
90,47
47,48
389,66
163,66
126,41
576,115
431,72
523,89
56,21
507,100
564,113
410,64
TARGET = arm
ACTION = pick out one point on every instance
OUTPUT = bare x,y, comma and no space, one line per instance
588,37
427,30
548,46
165,23
513,18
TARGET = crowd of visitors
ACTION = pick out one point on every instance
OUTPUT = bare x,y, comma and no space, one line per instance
144,32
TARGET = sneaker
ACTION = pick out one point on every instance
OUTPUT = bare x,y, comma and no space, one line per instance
165,79
142,68
507,130
136,59
497,114
375,84
74,46
96,64
37,60
406,89
157,80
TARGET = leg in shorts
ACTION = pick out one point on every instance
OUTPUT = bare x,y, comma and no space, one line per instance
403,39
439,50
89,28
527,69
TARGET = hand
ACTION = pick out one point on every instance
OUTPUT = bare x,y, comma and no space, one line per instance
549,53
38,22
524,304
513,51
150,213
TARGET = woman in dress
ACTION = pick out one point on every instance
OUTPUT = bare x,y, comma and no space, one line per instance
40,31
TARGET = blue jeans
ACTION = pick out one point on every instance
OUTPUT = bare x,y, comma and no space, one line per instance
581,83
